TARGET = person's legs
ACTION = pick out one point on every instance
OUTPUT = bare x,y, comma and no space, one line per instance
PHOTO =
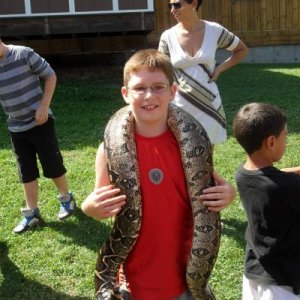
67,201
31,190
61,184
53,167
28,173
31,214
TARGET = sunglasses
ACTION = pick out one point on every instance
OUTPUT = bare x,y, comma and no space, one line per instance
175,5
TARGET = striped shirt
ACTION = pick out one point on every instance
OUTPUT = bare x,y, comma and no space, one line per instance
20,87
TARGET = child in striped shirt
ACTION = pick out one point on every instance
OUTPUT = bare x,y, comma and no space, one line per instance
31,126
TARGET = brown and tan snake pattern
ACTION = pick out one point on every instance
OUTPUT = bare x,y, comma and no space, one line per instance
119,143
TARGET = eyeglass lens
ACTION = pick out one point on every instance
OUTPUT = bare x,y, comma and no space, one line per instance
156,89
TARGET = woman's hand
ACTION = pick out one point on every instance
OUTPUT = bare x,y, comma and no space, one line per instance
238,53
216,73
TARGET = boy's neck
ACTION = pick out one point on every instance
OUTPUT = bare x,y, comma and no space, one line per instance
257,161
151,130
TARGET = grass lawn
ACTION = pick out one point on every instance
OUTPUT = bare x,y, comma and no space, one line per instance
56,261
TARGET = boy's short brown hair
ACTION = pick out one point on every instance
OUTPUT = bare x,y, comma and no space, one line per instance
149,59
255,122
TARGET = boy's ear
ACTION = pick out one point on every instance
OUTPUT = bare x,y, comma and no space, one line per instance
173,89
270,141
124,92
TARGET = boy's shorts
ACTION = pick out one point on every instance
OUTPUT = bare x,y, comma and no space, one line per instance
253,290
40,140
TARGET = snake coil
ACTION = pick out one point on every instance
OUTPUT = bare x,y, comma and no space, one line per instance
195,149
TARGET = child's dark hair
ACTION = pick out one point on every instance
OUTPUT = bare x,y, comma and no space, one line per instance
254,122
198,4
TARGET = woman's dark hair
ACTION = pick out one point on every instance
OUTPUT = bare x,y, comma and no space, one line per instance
198,4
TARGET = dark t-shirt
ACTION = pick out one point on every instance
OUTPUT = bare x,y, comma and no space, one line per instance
271,199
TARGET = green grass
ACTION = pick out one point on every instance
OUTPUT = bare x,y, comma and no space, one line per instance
57,260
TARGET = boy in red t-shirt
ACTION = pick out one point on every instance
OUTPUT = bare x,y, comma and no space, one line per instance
156,266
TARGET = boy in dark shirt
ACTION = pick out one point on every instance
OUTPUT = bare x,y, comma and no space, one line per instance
271,200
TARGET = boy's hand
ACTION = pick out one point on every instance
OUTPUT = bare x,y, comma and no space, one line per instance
216,198
41,115
103,203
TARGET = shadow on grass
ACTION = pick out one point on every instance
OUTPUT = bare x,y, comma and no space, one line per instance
85,232
15,286
235,229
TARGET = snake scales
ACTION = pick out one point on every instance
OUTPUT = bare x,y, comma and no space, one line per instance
119,145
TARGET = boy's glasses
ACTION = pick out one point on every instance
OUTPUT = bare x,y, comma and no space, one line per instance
175,5
157,89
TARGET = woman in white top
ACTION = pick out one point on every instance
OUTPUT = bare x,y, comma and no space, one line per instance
191,45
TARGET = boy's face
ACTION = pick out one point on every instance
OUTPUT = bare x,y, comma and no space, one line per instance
279,145
149,95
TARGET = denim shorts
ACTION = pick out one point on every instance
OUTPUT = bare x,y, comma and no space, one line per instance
39,141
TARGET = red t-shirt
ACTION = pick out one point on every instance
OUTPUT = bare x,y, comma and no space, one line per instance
156,267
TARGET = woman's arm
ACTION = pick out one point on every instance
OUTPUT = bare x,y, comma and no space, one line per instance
238,53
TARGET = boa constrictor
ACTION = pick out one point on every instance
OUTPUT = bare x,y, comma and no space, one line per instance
120,148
